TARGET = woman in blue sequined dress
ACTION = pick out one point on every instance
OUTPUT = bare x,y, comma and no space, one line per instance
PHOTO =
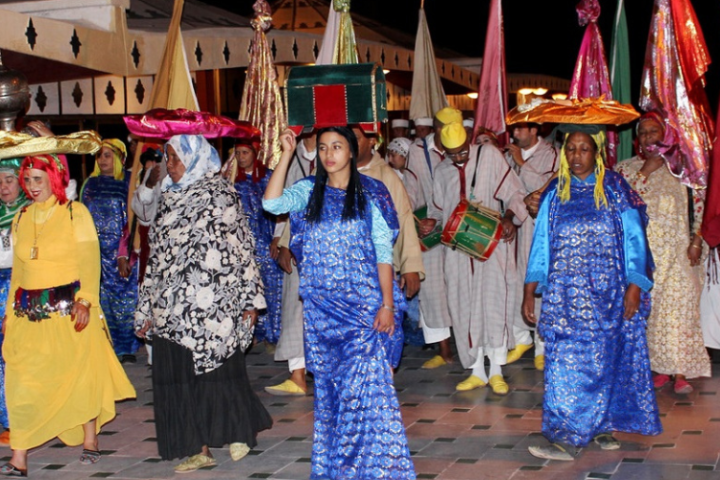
343,227
105,195
591,262
250,182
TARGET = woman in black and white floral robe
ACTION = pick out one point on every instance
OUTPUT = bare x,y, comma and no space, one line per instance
200,298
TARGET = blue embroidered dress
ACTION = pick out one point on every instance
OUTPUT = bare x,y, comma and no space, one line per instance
597,371
106,199
262,225
358,432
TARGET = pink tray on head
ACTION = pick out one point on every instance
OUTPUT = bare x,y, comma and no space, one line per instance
162,123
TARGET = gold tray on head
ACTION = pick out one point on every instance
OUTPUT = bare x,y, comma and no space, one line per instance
15,144
592,111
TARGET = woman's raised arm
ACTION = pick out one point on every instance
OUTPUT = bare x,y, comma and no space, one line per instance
277,180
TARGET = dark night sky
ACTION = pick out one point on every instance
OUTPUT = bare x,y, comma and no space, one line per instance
541,36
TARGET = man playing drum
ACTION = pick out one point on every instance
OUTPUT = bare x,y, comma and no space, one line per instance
482,296
424,158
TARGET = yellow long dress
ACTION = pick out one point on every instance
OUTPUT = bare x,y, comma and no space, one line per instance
58,379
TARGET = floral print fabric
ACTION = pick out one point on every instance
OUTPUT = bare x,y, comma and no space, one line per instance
674,332
202,274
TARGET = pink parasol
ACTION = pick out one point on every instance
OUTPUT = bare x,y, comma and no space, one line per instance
492,94
591,78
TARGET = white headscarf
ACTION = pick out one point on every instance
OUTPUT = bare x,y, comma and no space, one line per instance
400,145
198,156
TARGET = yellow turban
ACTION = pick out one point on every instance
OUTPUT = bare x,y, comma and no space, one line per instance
453,135
449,115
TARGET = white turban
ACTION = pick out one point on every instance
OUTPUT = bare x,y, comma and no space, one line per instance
400,145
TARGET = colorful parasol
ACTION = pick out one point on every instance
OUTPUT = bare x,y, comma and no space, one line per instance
427,94
711,218
591,78
261,103
620,75
339,46
673,84
492,94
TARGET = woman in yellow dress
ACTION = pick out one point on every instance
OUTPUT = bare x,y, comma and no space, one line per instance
62,378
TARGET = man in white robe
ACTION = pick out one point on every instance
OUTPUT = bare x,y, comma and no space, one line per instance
423,128
424,158
432,295
535,161
399,128
482,296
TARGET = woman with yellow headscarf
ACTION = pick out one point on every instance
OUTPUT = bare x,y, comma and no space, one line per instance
105,194
591,262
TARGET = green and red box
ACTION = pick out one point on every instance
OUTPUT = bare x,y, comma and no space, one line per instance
322,96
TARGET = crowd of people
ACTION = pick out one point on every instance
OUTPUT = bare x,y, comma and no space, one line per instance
324,260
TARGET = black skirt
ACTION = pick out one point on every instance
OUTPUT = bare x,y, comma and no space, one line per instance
214,409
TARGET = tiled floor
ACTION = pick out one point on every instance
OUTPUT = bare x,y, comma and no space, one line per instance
473,435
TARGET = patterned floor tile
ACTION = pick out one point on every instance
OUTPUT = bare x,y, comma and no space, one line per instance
454,435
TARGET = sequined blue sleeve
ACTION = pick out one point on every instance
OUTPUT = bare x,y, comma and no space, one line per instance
293,199
636,249
539,260
382,236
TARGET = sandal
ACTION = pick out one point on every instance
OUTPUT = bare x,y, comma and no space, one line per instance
89,457
194,463
607,441
554,451
10,470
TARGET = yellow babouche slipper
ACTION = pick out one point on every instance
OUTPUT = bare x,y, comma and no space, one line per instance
517,352
286,389
540,362
498,385
238,450
434,362
194,463
470,383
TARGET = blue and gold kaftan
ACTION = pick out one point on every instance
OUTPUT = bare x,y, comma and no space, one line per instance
106,199
597,371
262,225
358,430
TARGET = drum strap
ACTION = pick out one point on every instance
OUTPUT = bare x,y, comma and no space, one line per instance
474,179
427,156
312,166
461,171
